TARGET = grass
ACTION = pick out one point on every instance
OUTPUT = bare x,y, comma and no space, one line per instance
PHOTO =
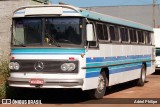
4,73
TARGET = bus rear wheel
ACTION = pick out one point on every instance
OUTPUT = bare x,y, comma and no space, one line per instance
99,92
142,79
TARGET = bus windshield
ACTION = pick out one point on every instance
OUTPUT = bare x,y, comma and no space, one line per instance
47,32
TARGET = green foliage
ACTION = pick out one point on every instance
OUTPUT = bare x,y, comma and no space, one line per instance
4,73
3,90
4,69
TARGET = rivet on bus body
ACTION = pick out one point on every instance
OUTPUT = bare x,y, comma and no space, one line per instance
82,55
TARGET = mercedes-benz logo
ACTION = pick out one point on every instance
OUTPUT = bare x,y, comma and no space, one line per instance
38,66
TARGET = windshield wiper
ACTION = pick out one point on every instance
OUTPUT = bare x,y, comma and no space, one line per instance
20,43
53,40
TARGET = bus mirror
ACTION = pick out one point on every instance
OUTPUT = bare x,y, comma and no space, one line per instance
90,33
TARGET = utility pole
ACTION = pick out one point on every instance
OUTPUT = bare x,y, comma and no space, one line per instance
154,19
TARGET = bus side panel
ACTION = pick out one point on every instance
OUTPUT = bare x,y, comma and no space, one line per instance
131,53
94,57
108,54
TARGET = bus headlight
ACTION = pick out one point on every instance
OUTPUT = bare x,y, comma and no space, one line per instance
64,67
11,65
71,66
68,67
14,66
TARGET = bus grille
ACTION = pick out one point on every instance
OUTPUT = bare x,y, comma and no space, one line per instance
45,66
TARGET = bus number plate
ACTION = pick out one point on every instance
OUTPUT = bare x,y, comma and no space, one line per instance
37,81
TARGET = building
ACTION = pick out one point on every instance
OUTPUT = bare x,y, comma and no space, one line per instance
138,13
6,11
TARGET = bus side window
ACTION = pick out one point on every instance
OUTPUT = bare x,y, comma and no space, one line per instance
140,36
124,34
133,35
99,29
105,27
112,33
147,37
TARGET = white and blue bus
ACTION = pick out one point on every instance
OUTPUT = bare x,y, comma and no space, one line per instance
62,46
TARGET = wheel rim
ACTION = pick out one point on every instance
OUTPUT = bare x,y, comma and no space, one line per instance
143,74
101,84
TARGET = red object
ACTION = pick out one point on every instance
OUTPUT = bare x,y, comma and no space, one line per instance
12,58
36,81
71,58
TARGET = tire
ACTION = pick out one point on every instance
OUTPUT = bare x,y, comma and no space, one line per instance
142,79
101,89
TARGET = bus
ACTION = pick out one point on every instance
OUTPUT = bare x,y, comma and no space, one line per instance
157,45
62,46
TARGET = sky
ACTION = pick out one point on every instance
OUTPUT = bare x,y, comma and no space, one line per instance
89,3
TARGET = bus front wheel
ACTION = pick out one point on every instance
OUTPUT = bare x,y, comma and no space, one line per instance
142,79
99,92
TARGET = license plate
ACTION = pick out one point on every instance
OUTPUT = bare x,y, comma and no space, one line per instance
37,81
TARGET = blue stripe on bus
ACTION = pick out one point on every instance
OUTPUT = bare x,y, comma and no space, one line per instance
148,64
93,69
102,59
70,12
105,61
46,51
94,72
113,71
22,12
108,63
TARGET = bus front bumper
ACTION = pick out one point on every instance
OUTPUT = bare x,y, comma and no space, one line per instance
48,83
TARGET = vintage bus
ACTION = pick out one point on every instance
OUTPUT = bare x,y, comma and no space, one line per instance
62,46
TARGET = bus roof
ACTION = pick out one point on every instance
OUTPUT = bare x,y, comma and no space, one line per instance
68,10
